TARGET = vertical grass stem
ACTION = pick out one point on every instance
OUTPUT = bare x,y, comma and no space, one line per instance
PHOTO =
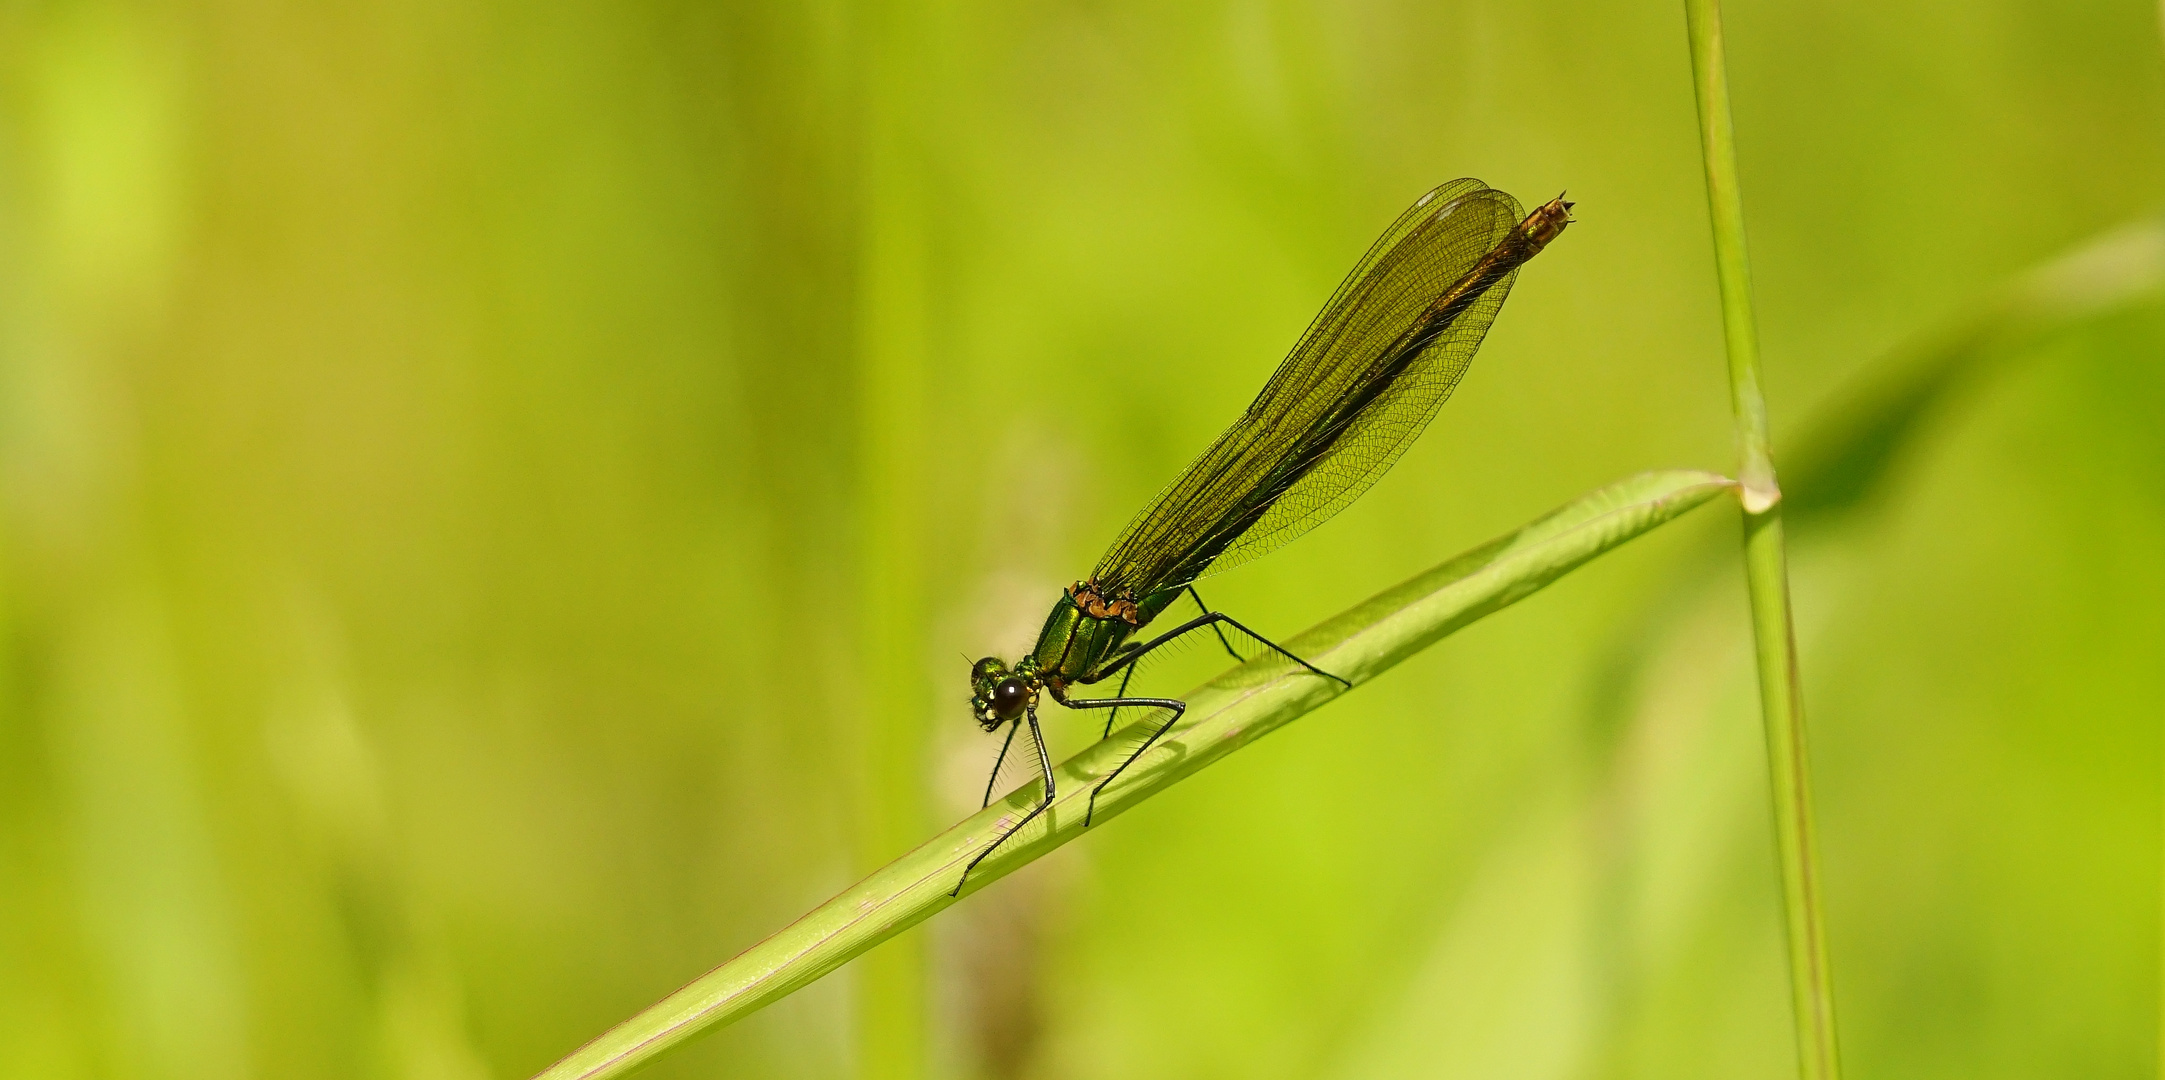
892,1010
1766,563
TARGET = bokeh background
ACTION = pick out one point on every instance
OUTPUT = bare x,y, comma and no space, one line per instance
499,500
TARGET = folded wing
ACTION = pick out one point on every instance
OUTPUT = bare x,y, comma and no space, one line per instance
1362,383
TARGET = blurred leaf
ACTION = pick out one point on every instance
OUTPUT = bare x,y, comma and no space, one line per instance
1845,456
1229,712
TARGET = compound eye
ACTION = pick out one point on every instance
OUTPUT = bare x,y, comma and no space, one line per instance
1009,697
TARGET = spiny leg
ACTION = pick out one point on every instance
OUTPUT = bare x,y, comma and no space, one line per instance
1012,727
1212,618
1116,703
1115,714
1221,634
1044,765
1113,717
1126,664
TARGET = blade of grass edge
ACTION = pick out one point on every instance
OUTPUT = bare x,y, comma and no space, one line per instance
1223,715
1766,565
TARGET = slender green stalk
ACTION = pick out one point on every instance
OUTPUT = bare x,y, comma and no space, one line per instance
892,1008
1224,715
1781,699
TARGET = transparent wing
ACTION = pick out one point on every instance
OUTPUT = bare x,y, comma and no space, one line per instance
1361,384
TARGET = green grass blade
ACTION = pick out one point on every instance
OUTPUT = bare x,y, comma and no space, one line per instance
1225,714
1766,562
892,1011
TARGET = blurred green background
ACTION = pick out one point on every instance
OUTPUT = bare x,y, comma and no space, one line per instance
499,500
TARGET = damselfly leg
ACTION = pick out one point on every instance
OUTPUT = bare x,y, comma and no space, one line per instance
1211,619
1126,666
1114,716
1044,767
1230,651
994,780
1125,676
1176,707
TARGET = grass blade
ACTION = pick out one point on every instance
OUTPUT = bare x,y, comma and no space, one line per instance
1766,562
1225,714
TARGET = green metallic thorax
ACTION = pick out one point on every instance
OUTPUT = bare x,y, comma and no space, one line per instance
1074,645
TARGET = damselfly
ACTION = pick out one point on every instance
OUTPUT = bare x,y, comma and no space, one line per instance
1361,384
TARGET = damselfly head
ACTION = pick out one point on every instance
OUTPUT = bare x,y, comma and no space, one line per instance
997,695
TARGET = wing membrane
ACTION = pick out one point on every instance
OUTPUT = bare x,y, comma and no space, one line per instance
1363,381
